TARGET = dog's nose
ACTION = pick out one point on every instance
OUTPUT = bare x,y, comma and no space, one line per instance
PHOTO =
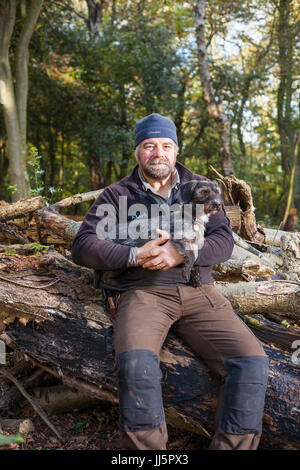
216,205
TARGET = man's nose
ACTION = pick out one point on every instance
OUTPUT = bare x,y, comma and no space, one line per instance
159,151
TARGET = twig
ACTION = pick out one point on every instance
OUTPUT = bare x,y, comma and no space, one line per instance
219,174
73,382
26,285
222,180
32,401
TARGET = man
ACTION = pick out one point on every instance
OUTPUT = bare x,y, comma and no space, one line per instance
154,297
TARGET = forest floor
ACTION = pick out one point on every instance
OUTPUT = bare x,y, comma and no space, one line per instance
92,429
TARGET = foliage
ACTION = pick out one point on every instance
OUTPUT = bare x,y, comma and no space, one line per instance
7,440
86,93
37,182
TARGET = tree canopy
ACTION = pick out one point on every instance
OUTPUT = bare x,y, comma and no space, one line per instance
96,67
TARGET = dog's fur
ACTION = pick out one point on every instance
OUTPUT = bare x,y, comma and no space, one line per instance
189,245
196,192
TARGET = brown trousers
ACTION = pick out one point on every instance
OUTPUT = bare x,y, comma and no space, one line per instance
205,320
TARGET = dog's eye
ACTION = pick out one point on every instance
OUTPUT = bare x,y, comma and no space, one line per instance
204,191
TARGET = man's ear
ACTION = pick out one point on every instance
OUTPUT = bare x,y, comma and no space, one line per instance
136,155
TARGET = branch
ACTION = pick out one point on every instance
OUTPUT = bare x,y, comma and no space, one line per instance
32,401
7,22
68,7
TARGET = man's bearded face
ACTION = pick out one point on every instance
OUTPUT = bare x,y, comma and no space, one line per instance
157,157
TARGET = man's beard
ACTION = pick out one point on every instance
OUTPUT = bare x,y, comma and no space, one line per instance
157,172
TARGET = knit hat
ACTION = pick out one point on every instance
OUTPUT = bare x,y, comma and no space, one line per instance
154,125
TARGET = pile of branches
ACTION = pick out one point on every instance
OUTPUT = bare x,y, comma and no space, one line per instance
52,321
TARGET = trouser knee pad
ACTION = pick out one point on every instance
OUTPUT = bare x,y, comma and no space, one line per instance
140,395
244,395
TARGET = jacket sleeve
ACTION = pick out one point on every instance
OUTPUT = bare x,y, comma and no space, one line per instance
218,241
90,250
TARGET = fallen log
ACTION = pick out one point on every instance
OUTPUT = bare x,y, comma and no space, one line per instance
20,208
62,330
281,297
243,244
273,236
74,347
62,285
235,270
277,333
13,426
240,253
238,193
60,399
290,247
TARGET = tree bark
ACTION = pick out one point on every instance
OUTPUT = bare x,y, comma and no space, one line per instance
238,193
7,21
21,207
22,57
15,99
284,93
281,297
95,12
290,246
273,236
291,181
242,269
75,347
62,330
60,398
213,102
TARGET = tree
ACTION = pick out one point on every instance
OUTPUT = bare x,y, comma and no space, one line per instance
287,33
213,102
15,88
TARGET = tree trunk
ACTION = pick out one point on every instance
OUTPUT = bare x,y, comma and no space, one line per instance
22,56
281,297
297,183
291,181
4,164
15,100
213,102
286,41
96,175
95,11
7,21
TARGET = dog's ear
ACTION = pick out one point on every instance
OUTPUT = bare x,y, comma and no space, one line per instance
186,191
216,187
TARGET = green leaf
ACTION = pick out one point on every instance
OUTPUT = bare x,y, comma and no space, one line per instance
7,440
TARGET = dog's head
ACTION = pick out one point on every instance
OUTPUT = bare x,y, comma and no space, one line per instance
204,192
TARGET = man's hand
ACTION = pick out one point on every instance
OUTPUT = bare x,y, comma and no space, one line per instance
159,253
